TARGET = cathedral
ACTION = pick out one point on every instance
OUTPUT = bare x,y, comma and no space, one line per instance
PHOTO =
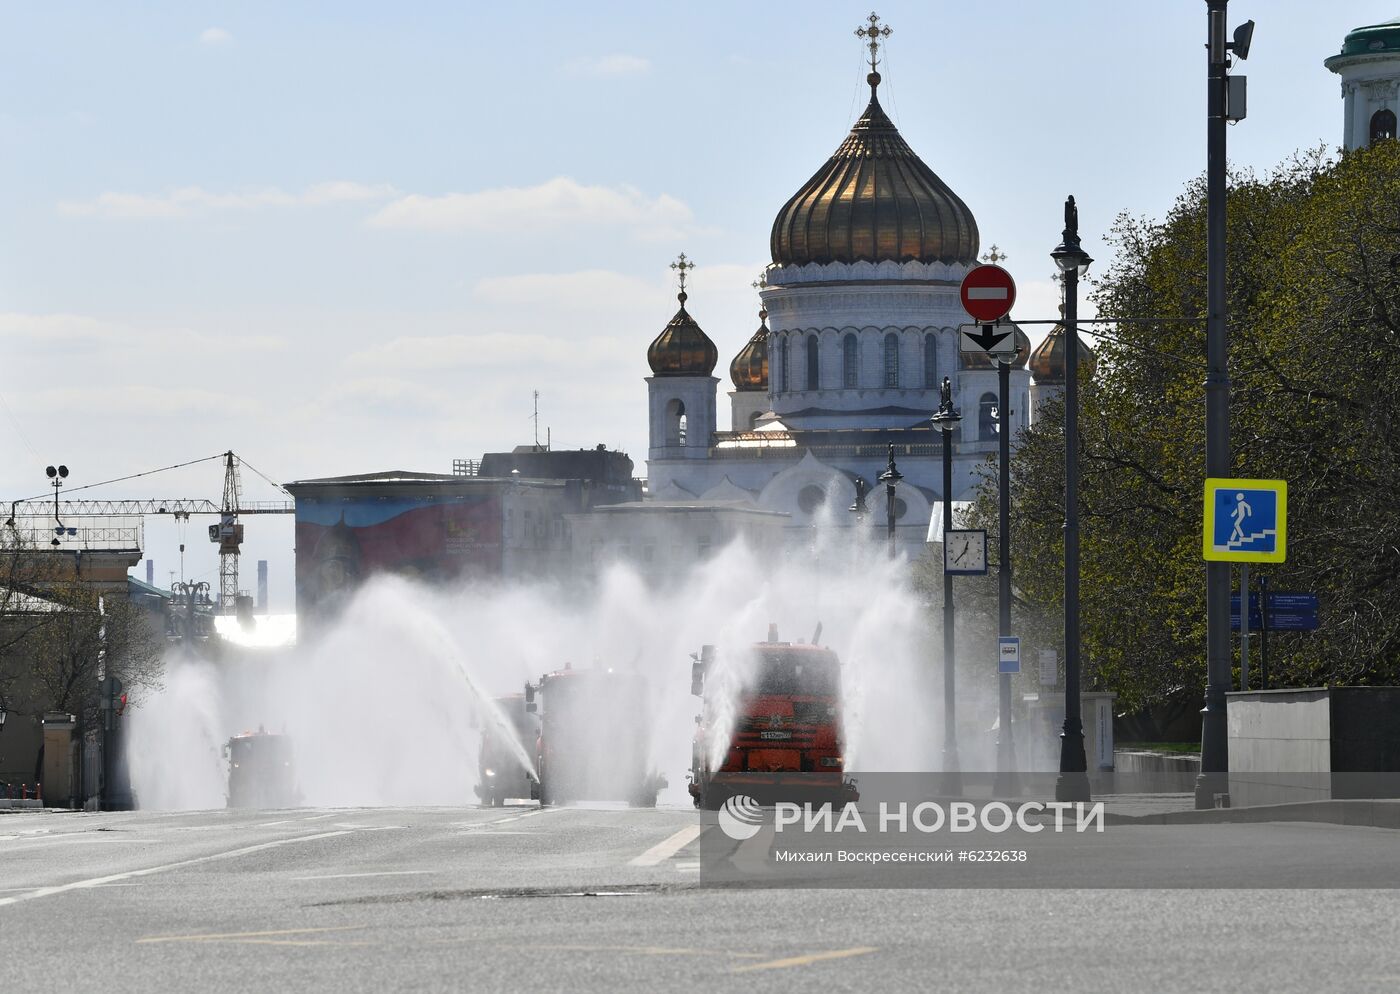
858,326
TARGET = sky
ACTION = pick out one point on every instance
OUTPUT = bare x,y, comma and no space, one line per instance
347,237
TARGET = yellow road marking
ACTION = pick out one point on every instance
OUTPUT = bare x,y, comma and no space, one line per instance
781,964
234,936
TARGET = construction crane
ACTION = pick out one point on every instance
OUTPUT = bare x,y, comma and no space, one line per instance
227,534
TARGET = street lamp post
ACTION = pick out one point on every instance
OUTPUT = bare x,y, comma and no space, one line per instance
1073,781
1213,780
1006,782
57,474
890,477
946,420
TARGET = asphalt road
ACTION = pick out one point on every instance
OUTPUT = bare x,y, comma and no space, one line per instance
576,899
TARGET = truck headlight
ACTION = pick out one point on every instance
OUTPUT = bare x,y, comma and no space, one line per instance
831,760
490,773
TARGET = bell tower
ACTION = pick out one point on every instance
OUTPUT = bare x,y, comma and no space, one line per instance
681,389
1369,64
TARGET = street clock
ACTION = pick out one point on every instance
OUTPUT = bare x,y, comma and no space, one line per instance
965,552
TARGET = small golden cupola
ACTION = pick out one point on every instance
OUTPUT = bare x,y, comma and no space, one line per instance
749,370
1047,363
874,200
682,348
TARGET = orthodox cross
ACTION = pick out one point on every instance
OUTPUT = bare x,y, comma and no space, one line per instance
995,255
874,32
682,265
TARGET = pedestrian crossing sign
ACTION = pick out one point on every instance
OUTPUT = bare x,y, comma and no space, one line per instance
1246,520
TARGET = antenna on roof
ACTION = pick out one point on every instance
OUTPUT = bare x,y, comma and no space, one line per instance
537,420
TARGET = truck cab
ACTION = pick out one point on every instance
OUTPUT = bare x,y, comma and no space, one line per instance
261,773
770,726
499,772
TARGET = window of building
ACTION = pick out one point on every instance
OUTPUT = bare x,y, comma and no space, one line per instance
850,359
987,417
1382,125
783,364
891,361
813,363
930,362
675,422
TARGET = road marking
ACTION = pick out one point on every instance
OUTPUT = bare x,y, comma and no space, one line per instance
236,936
380,873
271,824
477,826
782,964
99,881
667,848
320,817
637,950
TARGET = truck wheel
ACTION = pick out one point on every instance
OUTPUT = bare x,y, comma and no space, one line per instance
712,799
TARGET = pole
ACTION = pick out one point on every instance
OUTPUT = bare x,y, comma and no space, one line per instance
1244,626
951,766
1005,782
1263,633
1213,782
889,478
1073,782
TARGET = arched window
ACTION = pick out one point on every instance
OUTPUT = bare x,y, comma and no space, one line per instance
1382,125
930,362
813,364
891,361
675,422
987,417
850,359
783,364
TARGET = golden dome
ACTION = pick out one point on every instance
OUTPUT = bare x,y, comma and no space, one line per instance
983,361
874,200
1047,363
749,370
682,349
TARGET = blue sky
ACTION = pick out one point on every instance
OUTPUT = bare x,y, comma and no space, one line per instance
341,237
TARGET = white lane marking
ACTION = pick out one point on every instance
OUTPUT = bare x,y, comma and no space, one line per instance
667,848
270,824
113,878
478,825
381,873
320,817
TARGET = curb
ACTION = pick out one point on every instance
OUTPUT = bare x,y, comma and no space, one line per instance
1360,813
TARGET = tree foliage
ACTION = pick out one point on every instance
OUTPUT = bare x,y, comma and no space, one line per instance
1314,323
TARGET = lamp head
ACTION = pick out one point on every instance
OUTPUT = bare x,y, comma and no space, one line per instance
50,471
1244,34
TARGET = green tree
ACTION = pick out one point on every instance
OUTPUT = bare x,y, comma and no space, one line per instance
1314,300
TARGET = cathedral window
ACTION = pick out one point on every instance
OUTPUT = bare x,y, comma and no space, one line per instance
783,364
675,422
930,362
891,361
849,362
1382,125
987,417
813,363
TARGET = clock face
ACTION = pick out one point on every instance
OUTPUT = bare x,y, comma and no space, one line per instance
965,551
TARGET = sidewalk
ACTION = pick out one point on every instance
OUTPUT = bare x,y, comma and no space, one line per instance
1180,809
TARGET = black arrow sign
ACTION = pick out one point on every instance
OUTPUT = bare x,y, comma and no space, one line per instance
987,338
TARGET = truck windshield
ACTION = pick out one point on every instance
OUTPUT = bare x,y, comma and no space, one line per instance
812,675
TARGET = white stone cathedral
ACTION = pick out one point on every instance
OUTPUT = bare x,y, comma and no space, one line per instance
858,327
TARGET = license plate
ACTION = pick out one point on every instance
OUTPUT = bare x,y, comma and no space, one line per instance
774,736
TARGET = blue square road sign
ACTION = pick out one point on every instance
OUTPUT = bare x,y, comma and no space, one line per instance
1245,520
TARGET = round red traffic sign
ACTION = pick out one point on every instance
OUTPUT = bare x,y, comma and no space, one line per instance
988,293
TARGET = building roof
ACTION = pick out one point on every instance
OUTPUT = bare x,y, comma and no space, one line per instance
682,348
1373,39
874,200
749,370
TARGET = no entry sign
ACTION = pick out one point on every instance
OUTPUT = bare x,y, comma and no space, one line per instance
988,293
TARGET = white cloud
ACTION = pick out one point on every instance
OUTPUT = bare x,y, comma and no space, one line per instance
608,66
34,332
559,201
215,36
189,201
